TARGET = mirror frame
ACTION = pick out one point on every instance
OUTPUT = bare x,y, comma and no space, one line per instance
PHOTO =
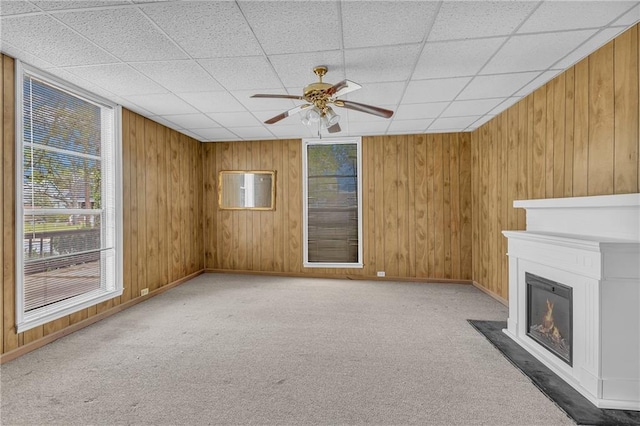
221,188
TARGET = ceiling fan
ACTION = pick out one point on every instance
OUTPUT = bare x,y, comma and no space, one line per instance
319,97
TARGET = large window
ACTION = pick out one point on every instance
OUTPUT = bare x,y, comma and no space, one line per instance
69,213
332,203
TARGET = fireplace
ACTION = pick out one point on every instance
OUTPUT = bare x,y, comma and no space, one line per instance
574,293
549,314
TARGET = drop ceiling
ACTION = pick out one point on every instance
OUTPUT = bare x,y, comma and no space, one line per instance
193,65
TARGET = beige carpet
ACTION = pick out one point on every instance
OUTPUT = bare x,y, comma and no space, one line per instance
234,349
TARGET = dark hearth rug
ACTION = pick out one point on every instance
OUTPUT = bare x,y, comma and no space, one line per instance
562,394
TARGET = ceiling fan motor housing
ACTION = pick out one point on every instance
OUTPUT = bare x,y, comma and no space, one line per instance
316,93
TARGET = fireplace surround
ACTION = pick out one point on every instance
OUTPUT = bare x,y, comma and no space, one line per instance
584,254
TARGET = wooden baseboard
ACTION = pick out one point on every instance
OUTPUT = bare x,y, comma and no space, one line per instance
11,355
500,299
340,276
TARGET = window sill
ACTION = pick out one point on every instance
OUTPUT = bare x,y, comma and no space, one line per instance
333,265
50,313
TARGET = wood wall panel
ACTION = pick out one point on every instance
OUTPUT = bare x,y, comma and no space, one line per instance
601,111
416,208
575,136
10,337
162,214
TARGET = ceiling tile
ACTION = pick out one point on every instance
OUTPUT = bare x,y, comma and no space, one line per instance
589,46
252,133
487,86
191,121
420,111
475,107
76,4
629,18
455,58
163,104
179,76
205,29
394,63
126,103
25,57
452,123
165,122
409,126
125,33
297,69
537,82
235,119
84,84
230,50
375,23
16,7
444,89
291,131
378,93
212,101
567,15
69,48
473,19
368,127
256,73
291,27
535,52
215,134
263,104
118,78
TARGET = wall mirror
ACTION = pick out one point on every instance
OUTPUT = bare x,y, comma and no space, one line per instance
247,190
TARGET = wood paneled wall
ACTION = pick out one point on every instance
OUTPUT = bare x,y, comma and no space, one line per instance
416,208
575,136
162,199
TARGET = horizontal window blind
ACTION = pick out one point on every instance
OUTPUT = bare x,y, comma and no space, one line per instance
68,197
332,203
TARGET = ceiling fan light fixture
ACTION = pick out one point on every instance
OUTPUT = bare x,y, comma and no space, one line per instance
330,117
313,115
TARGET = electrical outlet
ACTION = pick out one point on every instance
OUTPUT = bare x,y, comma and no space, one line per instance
144,292
381,273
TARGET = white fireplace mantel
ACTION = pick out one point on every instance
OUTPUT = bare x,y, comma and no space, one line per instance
607,216
592,245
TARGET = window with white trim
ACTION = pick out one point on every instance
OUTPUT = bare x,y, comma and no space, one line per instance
332,197
69,233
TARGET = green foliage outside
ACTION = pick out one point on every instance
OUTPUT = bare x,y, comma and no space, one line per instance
61,180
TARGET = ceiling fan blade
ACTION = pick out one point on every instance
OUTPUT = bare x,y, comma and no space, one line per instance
369,109
286,114
342,88
334,129
263,95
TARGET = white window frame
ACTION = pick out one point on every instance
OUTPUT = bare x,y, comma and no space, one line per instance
305,202
114,287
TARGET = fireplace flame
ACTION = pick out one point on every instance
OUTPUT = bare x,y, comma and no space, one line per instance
548,326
